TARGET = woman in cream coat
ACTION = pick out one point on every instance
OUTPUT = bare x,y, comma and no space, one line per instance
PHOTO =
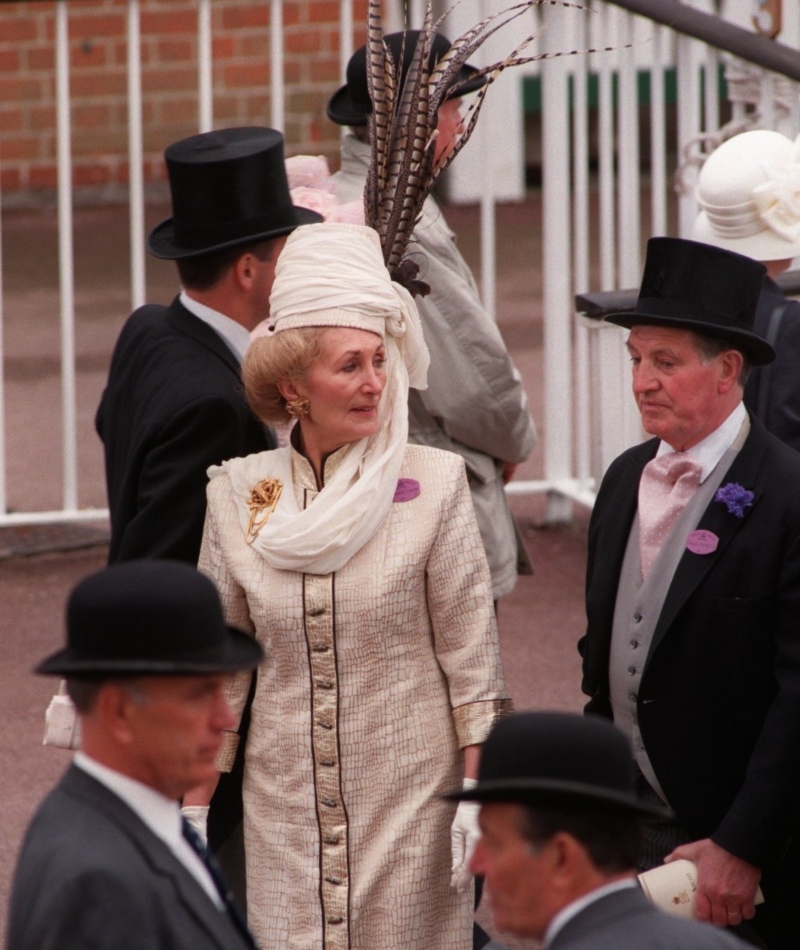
356,561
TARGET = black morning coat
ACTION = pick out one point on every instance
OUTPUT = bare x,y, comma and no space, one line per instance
173,406
719,703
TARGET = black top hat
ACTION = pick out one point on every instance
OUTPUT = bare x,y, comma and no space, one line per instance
144,618
558,760
228,187
694,286
351,104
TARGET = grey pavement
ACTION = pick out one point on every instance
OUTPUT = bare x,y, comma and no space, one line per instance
539,622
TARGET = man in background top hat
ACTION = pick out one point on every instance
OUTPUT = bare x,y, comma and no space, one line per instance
173,404
560,838
474,404
693,594
747,192
107,861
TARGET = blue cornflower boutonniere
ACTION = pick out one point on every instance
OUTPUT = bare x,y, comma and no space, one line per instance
735,497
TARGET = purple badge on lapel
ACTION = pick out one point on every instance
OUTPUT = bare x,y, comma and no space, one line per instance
702,542
407,488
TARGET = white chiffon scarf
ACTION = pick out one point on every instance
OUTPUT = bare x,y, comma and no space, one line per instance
334,275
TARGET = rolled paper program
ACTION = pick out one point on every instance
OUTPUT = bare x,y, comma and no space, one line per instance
673,888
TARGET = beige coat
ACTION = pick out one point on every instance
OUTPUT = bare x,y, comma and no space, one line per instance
375,677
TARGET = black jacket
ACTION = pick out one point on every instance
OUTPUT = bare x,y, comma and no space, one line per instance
719,702
173,406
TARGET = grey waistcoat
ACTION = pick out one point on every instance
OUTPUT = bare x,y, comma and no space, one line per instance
638,607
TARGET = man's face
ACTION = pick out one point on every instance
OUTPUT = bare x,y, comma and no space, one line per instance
681,397
515,872
174,727
449,124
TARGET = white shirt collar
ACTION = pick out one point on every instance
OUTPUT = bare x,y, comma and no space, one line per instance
566,914
161,815
714,446
235,336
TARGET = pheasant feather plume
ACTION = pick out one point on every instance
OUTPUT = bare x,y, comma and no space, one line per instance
402,125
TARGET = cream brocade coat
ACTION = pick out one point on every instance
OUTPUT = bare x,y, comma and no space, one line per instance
374,678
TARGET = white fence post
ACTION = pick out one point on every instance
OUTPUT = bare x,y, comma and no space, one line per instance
557,265
66,268
135,159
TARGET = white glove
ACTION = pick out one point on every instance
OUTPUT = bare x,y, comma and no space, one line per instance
62,725
463,837
197,816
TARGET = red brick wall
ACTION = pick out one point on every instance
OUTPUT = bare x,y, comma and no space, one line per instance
98,83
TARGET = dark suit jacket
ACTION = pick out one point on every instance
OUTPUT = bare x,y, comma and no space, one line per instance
173,406
92,874
626,920
719,703
781,378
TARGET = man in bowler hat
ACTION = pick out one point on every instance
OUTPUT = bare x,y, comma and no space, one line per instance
107,861
693,594
173,404
474,405
560,837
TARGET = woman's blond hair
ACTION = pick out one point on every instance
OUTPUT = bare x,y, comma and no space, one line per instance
282,358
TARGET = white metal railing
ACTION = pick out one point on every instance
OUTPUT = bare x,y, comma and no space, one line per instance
588,415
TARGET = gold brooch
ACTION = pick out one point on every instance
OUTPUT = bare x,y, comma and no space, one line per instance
263,499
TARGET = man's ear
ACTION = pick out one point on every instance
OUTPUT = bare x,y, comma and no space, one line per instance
566,858
244,270
113,706
731,363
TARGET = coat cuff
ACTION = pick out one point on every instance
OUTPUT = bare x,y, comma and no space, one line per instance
227,752
474,721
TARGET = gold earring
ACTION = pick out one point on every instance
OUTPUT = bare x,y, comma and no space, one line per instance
297,408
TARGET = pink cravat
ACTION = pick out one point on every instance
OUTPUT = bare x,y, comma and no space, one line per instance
667,484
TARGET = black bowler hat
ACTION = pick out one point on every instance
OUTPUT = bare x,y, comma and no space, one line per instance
351,104
558,760
228,187
694,286
145,618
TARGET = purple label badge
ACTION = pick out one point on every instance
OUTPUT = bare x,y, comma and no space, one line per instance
702,542
407,488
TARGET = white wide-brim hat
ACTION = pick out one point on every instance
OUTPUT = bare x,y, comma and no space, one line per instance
749,193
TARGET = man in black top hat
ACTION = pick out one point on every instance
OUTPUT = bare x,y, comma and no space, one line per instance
475,404
693,593
107,861
560,838
174,403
